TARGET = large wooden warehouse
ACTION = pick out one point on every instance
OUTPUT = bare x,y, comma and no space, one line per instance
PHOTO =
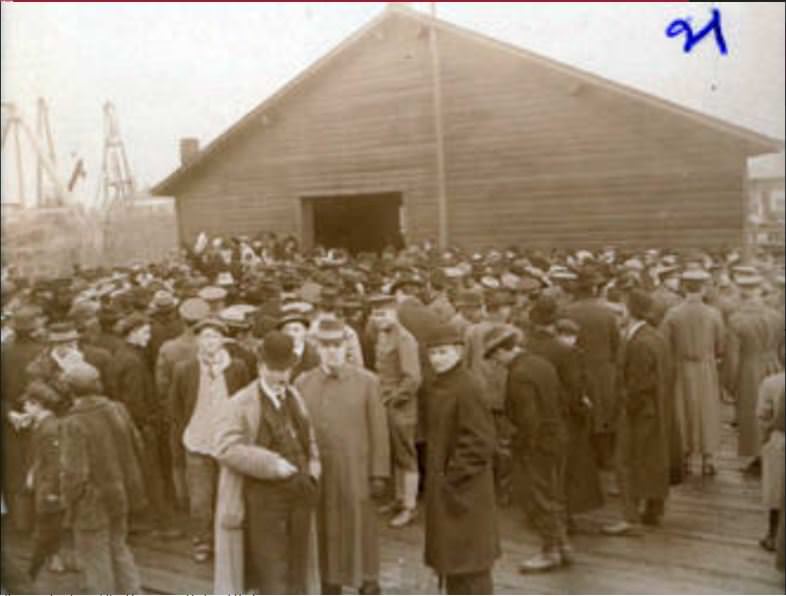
533,153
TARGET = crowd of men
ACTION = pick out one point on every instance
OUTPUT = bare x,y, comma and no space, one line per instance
285,400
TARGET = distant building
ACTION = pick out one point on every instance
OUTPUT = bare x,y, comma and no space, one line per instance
536,153
766,201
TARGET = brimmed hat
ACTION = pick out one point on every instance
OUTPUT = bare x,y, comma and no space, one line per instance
225,279
469,298
748,281
444,335
212,294
277,351
25,319
163,301
62,332
329,329
193,309
211,323
496,336
381,300
406,280
42,393
130,323
234,317
544,311
292,316
695,275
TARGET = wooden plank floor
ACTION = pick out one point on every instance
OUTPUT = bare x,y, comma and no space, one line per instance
706,545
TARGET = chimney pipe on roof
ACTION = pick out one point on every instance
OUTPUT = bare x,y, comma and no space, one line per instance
189,149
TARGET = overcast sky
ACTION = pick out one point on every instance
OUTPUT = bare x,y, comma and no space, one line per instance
175,70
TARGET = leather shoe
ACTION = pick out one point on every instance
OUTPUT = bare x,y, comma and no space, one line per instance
622,528
542,562
404,518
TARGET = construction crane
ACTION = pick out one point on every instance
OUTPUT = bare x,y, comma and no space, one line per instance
116,182
14,127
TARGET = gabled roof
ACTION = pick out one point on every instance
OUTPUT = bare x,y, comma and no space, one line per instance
763,143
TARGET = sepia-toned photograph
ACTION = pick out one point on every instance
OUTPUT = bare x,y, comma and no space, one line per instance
393,298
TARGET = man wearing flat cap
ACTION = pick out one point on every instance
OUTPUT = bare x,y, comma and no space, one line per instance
532,406
351,428
695,335
268,488
102,481
459,497
198,395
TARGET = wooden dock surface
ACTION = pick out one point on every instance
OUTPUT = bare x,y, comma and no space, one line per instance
706,545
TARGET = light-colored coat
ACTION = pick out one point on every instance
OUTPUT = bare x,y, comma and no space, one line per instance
749,359
694,332
352,433
239,456
770,411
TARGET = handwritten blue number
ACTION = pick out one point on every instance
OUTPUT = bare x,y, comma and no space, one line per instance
680,26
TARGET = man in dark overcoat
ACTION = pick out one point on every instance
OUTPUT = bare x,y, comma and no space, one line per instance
643,429
538,444
462,540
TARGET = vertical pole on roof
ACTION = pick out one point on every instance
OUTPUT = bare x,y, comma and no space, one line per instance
442,200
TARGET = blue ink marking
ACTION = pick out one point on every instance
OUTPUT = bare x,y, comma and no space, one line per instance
680,26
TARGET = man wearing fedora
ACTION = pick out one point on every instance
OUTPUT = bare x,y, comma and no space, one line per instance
135,388
350,423
462,539
581,488
643,450
268,490
238,328
598,340
538,444
198,394
165,324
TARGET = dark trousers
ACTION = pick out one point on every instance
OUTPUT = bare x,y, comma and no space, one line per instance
470,583
277,539
47,538
541,478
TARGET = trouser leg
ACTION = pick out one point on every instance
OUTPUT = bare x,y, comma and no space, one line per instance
95,551
154,480
470,583
299,526
542,502
123,565
201,475
47,539
503,465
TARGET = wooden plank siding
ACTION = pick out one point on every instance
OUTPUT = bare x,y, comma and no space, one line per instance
533,156
364,126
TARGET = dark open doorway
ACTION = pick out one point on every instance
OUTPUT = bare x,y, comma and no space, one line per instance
357,223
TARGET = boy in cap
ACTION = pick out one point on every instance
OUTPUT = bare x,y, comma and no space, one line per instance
43,404
532,406
270,472
351,428
398,367
200,389
459,502
102,482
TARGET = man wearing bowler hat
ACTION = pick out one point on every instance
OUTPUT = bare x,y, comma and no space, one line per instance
350,422
462,540
268,489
